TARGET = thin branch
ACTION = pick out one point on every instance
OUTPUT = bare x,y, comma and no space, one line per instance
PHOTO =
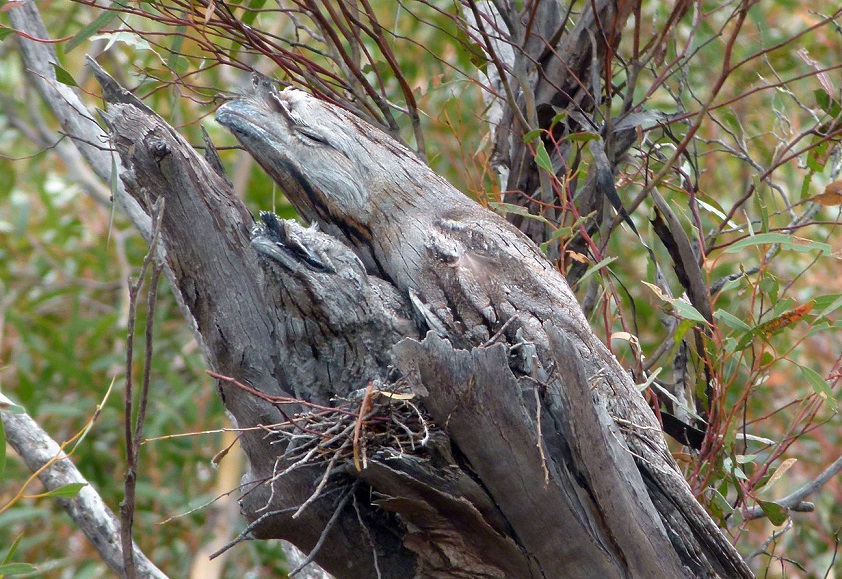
335,517
87,509
795,500
133,435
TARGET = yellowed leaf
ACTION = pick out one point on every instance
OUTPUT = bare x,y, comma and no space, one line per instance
580,257
786,319
658,292
209,12
835,187
683,457
785,466
832,195
396,395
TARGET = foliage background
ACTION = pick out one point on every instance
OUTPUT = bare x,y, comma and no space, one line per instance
65,258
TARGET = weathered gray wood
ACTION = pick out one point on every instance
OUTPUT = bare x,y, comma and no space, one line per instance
206,233
603,463
474,275
478,398
451,527
450,521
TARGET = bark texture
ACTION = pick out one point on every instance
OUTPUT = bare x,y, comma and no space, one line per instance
475,279
511,482
206,232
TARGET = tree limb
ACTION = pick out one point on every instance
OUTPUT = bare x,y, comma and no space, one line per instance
87,509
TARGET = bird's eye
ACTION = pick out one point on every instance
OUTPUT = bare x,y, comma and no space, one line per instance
307,256
312,135
315,264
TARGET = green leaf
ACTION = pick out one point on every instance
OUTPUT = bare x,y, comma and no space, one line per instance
722,503
560,232
559,117
711,204
533,134
688,312
67,491
825,326
132,39
542,158
805,184
467,49
8,179
819,386
582,137
12,549
731,467
63,76
681,330
651,381
822,99
785,241
17,569
680,307
477,57
596,267
730,344
252,12
827,103
93,27
716,511
827,304
4,32
506,208
732,284
764,215
776,514
744,341
818,155
7,405
770,287
731,320
175,61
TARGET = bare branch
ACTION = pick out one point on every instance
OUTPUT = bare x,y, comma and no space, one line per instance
796,500
87,509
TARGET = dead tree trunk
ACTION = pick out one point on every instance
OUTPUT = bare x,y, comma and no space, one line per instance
506,443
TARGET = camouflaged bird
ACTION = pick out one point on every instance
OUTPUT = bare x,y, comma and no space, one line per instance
471,275
339,323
